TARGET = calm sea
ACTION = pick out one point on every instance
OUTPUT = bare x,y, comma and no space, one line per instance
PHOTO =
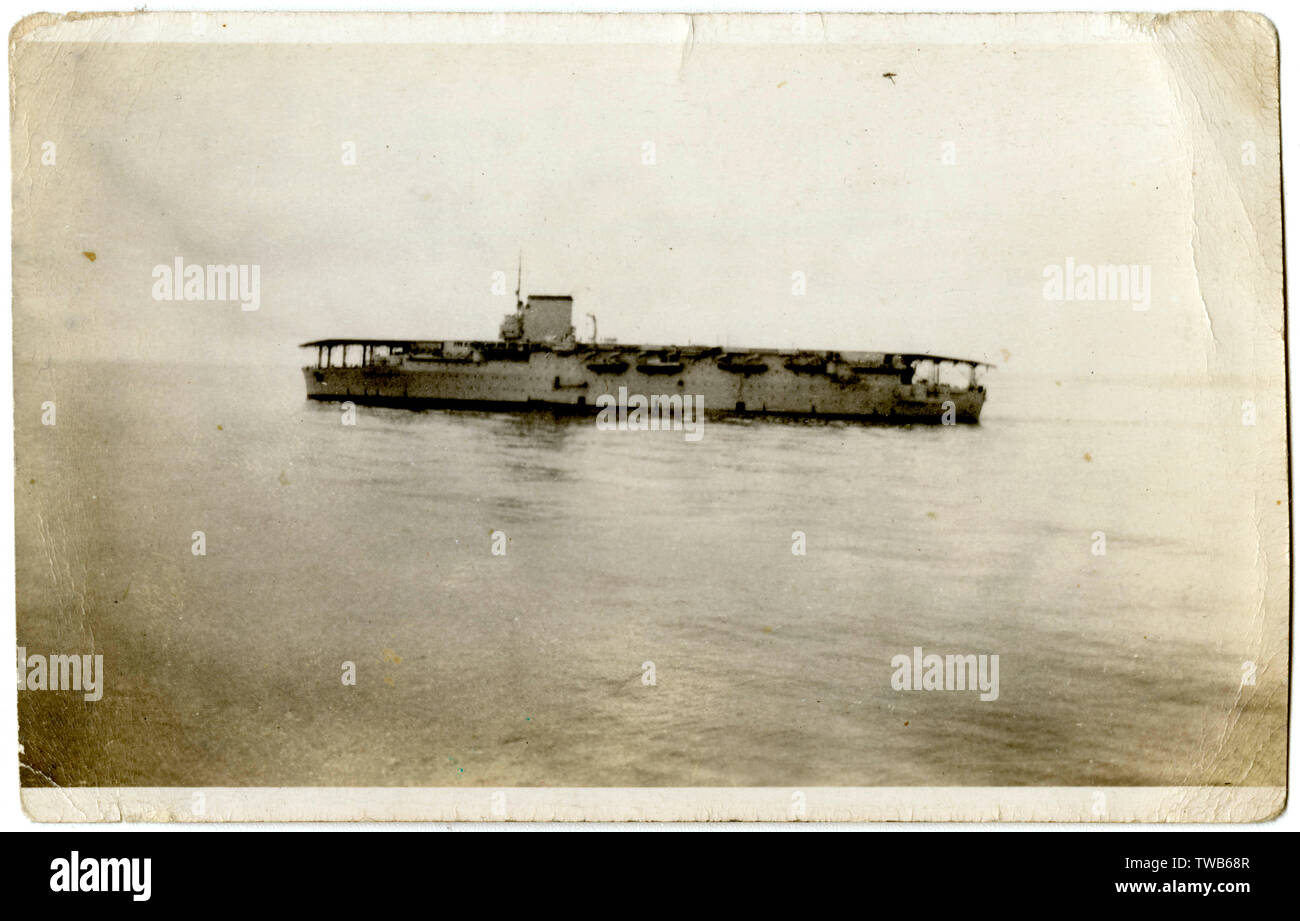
629,555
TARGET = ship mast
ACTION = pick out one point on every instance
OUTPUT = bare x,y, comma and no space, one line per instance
519,282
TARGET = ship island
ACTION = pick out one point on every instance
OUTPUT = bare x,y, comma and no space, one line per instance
540,364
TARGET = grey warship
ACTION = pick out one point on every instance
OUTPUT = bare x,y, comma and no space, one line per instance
539,363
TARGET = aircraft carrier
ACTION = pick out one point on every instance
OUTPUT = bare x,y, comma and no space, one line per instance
538,363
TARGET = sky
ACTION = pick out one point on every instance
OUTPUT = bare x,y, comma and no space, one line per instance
919,190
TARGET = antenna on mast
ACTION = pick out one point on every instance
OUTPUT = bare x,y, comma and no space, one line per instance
519,282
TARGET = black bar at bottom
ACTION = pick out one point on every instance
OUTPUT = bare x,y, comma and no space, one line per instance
334,870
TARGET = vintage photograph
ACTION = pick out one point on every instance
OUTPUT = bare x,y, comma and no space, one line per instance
782,417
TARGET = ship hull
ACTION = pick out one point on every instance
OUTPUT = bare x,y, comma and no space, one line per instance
564,383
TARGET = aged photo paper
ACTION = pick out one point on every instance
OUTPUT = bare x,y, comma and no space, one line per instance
593,417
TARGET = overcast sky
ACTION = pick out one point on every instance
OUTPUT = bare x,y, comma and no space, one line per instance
769,160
